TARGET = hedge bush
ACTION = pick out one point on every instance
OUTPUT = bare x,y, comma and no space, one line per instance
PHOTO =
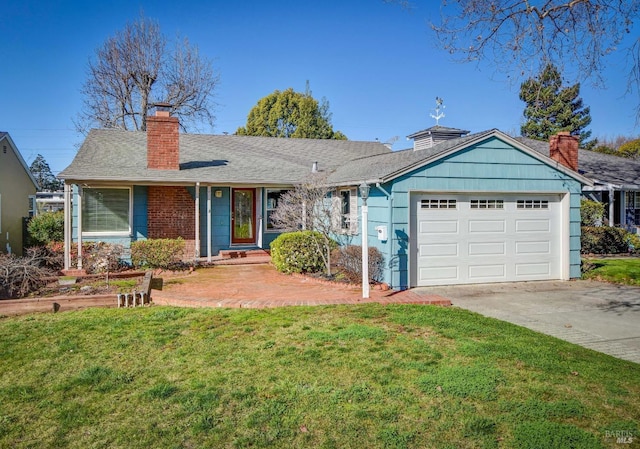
298,252
591,213
348,259
608,240
157,253
46,228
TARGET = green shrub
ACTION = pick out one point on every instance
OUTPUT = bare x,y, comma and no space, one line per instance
298,252
591,213
606,240
46,227
157,253
349,260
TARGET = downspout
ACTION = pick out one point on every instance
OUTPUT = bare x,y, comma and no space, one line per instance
389,229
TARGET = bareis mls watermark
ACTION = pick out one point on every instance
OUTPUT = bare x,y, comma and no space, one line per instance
620,436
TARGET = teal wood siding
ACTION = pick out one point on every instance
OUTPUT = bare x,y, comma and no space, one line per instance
490,166
220,220
139,230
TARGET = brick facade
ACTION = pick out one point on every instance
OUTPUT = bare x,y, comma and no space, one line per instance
563,148
171,214
163,147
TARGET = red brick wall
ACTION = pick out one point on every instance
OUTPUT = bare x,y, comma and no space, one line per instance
171,213
563,148
163,148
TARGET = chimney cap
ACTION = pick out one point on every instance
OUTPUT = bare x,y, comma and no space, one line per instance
163,109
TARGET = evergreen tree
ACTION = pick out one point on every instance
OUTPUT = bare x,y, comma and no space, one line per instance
43,175
290,114
551,108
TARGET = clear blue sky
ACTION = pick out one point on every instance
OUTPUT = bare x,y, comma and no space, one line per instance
374,62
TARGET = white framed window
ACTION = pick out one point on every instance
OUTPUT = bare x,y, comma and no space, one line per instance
345,211
487,204
438,204
273,199
532,204
32,206
106,210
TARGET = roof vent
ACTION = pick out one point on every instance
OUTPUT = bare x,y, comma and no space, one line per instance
314,167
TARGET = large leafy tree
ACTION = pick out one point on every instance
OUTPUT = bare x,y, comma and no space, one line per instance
44,176
551,108
136,68
290,114
523,37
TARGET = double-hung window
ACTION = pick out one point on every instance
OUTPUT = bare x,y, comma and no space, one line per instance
106,210
345,211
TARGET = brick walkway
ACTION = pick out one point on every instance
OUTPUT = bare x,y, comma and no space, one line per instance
255,284
260,286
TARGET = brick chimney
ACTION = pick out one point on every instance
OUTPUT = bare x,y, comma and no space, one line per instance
563,148
163,147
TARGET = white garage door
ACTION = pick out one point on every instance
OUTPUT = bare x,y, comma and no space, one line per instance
466,239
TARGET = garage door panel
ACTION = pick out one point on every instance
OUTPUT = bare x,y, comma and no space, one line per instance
439,250
439,227
487,248
487,226
537,247
496,238
541,270
533,225
487,273
438,273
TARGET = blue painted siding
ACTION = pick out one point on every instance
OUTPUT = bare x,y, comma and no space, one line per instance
140,231
220,220
490,166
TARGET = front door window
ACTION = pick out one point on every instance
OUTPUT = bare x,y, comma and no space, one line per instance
243,216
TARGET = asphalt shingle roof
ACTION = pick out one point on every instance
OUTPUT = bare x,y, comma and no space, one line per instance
599,167
114,155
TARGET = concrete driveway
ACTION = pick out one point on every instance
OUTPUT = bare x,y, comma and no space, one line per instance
596,315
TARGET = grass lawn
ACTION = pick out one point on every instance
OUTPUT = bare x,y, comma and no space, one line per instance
621,271
367,376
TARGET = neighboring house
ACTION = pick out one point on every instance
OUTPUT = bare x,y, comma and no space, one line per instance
472,208
17,191
49,202
616,184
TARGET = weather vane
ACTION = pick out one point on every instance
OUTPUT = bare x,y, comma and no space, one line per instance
439,114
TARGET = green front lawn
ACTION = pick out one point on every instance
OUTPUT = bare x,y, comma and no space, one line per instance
365,376
621,271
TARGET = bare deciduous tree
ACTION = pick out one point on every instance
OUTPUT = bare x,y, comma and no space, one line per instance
135,69
527,35
311,206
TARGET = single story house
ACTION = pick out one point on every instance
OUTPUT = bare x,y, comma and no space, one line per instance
616,183
17,195
469,208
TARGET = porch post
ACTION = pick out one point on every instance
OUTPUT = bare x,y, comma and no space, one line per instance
611,206
79,266
623,208
208,223
68,234
197,248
